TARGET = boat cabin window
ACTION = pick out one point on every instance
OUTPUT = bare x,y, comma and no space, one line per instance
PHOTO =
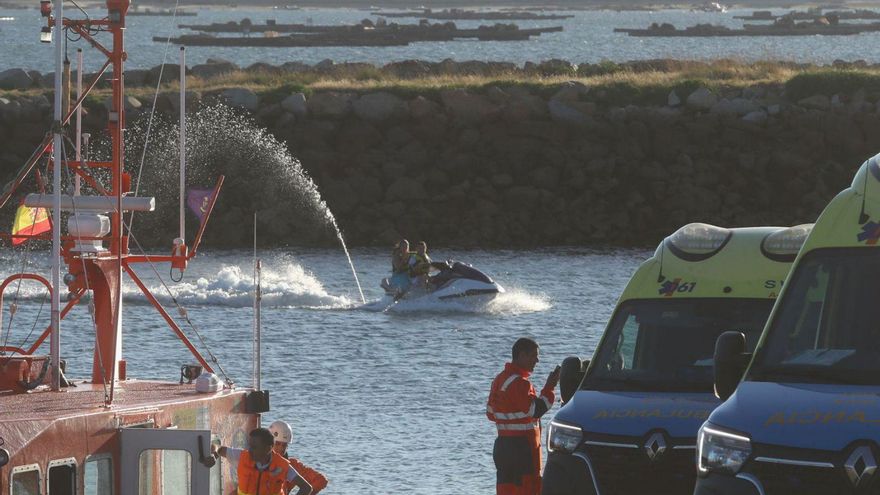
25,480
61,478
164,472
98,476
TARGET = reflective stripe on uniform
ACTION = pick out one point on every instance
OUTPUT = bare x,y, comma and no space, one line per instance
515,415
516,426
507,382
546,401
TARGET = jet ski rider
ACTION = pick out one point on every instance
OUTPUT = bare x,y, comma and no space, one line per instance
401,258
420,266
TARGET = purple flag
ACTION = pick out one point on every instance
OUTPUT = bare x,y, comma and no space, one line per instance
199,201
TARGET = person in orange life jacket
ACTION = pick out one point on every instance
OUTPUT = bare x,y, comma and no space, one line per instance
420,266
516,410
261,471
283,435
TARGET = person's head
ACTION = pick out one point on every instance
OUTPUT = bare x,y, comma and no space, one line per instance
282,434
525,353
403,246
422,248
260,442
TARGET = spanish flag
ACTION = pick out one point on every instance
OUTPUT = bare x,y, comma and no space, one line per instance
29,221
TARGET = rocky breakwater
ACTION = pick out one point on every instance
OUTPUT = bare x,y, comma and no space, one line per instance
507,164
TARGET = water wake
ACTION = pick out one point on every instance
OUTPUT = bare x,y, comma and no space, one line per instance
512,302
290,287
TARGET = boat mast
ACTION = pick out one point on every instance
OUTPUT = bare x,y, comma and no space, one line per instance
55,348
182,211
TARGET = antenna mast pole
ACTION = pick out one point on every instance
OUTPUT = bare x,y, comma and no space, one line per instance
55,348
258,296
182,143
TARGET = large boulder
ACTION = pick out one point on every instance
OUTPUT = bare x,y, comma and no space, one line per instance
241,98
330,104
132,104
562,111
377,107
702,99
571,91
467,106
756,116
816,102
525,108
295,104
15,79
212,70
555,67
408,69
736,106
421,107
10,110
134,77
168,73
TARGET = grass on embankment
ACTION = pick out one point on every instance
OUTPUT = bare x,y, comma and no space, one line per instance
640,83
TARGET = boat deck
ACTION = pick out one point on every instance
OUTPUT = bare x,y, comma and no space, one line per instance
86,398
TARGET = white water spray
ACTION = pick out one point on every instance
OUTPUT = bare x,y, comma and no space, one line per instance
222,141
348,256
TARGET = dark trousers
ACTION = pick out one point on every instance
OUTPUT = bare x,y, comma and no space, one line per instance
517,465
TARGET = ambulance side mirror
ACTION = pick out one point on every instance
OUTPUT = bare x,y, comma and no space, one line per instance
731,360
571,375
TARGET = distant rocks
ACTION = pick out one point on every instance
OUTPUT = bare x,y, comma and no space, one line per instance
295,104
242,98
15,79
702,99
377,107
331,104
510,164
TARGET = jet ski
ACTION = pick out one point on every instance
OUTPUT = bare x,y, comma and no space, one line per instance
453,281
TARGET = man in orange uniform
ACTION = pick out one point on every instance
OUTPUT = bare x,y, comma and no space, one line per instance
261,471
283,435
516,410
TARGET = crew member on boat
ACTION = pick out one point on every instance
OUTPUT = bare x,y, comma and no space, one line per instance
261,470
283,434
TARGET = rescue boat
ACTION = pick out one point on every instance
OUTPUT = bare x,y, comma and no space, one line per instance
108,433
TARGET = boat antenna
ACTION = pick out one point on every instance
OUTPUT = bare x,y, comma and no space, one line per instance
55,348
79,80
258,296
182,235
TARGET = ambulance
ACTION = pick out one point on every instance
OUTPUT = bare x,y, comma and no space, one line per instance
631,414
805,417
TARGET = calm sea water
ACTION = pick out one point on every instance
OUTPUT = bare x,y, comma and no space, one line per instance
389,402
588,37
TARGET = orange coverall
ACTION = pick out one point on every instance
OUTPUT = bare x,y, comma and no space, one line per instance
516,410
313,477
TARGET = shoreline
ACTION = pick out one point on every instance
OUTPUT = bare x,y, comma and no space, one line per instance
368,5
470,157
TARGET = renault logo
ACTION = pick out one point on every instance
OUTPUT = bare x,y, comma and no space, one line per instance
655,446
860,466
